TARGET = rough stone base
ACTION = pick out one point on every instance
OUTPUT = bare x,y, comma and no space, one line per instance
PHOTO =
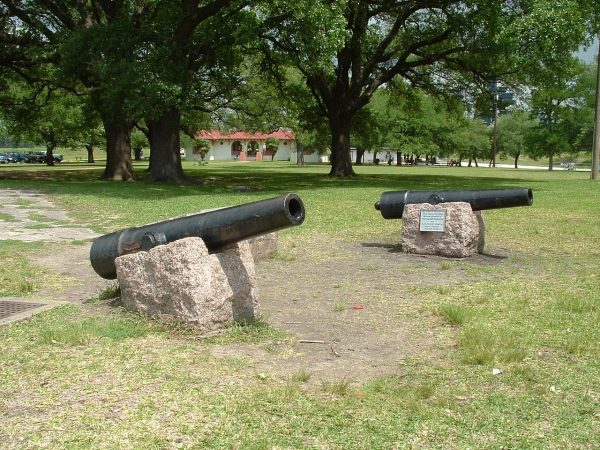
464,235
264,246
182,282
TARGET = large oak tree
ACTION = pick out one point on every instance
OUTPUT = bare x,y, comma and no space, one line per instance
134,60
373,42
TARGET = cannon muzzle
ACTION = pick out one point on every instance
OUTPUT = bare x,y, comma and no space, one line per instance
217,228
391,204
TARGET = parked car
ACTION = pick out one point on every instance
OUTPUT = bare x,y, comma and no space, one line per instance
3,159
35,157
19,157
8,158
40,157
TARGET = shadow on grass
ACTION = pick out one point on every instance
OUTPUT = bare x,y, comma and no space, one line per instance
248,180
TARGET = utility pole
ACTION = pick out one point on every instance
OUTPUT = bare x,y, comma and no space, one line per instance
495,130
596,148
501,98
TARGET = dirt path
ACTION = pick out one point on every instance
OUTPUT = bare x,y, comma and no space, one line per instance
351,302
30,216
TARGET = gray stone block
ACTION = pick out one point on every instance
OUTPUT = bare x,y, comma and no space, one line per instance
263,246
463,235
183,282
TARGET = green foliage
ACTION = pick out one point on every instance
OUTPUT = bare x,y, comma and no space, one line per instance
472,140
370,45
138,140
272,144
513,129
425,124
131,62
546,36
44,116
308,34
562,101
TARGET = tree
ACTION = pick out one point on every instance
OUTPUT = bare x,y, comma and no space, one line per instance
93,138
274,98
416,123
367,133
190,51
138,142
557,100
513,129
136,61
83,47
346,50
43,115
470,140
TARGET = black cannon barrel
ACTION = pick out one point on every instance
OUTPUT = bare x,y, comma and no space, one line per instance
217,228
391,204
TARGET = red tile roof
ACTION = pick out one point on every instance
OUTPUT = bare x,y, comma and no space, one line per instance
217,135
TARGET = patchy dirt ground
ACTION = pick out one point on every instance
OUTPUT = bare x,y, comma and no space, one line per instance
348,306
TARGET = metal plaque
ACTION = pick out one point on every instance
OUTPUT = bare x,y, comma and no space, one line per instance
432,220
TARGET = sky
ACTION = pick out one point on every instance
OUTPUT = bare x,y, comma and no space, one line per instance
588,54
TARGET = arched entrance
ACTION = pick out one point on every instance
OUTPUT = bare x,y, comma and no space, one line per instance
236,148
253,147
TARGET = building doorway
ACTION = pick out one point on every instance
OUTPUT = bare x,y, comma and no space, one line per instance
253,147
236,149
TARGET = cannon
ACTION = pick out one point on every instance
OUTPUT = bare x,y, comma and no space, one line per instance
391,204
217,228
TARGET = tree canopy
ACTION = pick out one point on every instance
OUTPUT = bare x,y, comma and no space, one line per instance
430,45
157,65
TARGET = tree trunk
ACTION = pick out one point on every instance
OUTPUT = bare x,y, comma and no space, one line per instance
341,164
475,161
551,161
90,153
470,160
50,154
137,153
398,158
300,153
360,153
118,150
516,160
164,147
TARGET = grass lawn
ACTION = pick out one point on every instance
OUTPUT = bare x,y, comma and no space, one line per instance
73,378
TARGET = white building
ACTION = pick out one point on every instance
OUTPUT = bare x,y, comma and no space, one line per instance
243,146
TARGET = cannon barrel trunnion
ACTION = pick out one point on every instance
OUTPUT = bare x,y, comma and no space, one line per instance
217,228
391,204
